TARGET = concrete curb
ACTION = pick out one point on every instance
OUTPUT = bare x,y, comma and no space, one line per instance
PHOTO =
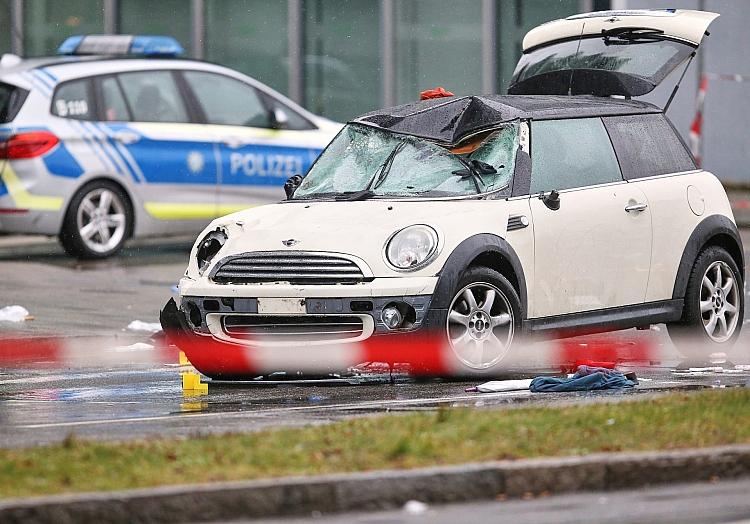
384,489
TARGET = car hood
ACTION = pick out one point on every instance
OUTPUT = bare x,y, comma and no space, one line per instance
606,53
360,229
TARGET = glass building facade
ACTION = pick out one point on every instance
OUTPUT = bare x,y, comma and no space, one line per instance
338,58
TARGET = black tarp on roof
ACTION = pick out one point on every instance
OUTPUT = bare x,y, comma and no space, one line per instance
448,120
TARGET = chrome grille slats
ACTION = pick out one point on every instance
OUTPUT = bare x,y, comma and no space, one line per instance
304,267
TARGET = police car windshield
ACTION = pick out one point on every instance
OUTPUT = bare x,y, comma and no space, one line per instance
371,163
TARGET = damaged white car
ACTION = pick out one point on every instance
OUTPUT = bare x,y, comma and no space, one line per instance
562,207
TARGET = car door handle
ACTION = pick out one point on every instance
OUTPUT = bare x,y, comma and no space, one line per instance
632,208
126,137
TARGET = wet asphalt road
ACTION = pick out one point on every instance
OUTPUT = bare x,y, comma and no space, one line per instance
114,384
703,503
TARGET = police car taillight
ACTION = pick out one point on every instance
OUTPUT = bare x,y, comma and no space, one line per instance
27,145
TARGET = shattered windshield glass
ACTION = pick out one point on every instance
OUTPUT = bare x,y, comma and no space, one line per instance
383,164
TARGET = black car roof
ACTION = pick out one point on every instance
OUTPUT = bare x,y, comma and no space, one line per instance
448,120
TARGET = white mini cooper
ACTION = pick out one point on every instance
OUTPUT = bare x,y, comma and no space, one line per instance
565,205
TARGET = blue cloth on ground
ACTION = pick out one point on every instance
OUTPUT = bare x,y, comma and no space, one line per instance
585,379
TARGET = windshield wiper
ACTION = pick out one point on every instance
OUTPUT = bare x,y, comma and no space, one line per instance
379,177
632,35
350,196
474,169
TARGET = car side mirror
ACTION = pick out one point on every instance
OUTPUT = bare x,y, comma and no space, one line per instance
551,199
279,118
291,185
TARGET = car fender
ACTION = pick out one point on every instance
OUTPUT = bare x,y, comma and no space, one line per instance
462,257
708,228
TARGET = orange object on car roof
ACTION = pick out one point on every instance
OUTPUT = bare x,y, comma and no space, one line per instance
438,92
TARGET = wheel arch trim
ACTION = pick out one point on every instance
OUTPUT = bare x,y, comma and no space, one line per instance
468,252
712,230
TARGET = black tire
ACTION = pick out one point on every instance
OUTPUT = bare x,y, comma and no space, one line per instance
691,334
483,278
95,247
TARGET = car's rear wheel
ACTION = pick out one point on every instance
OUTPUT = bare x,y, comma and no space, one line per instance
98,221
714,305
482,321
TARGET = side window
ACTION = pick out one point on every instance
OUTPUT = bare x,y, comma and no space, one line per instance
153,96
226,101
647,145
73,100
294,120
571,153
114,107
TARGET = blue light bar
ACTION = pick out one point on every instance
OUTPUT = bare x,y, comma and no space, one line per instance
164,46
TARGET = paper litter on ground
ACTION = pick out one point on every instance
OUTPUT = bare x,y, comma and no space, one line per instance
13,314
138,346
495,386
139,325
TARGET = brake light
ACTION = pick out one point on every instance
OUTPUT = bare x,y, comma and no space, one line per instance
27,145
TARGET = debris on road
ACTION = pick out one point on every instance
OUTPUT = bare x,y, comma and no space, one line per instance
496,386
138,346
585,379
14,314
415,507
148,327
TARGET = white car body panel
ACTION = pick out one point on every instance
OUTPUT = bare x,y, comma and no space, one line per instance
590,254
674,222
362,229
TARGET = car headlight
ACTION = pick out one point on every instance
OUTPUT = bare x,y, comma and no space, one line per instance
412,248
209,246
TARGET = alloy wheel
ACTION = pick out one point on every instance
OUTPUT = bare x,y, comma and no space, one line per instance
101,220
480,325
719,302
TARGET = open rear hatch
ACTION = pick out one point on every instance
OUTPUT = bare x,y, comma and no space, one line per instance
608,53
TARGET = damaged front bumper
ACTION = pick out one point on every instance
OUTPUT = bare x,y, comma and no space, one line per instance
279,314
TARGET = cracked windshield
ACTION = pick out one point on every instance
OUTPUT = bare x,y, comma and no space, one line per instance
366,159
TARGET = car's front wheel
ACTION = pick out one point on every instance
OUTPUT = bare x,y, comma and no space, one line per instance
714,305
98,222
482,321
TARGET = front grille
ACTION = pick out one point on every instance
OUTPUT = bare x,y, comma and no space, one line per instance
303,328
297,267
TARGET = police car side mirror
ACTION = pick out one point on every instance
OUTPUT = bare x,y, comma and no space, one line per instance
291,185
279,118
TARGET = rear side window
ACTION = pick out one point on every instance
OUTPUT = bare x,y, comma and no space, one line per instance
571,153
114,107
11,100
647,145
153,96
73,100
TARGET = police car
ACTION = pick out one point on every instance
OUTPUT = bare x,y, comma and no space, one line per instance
117,137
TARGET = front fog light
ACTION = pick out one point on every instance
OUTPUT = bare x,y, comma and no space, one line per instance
391,317
412,247
209,246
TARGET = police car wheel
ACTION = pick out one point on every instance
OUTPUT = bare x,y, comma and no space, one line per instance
98,222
